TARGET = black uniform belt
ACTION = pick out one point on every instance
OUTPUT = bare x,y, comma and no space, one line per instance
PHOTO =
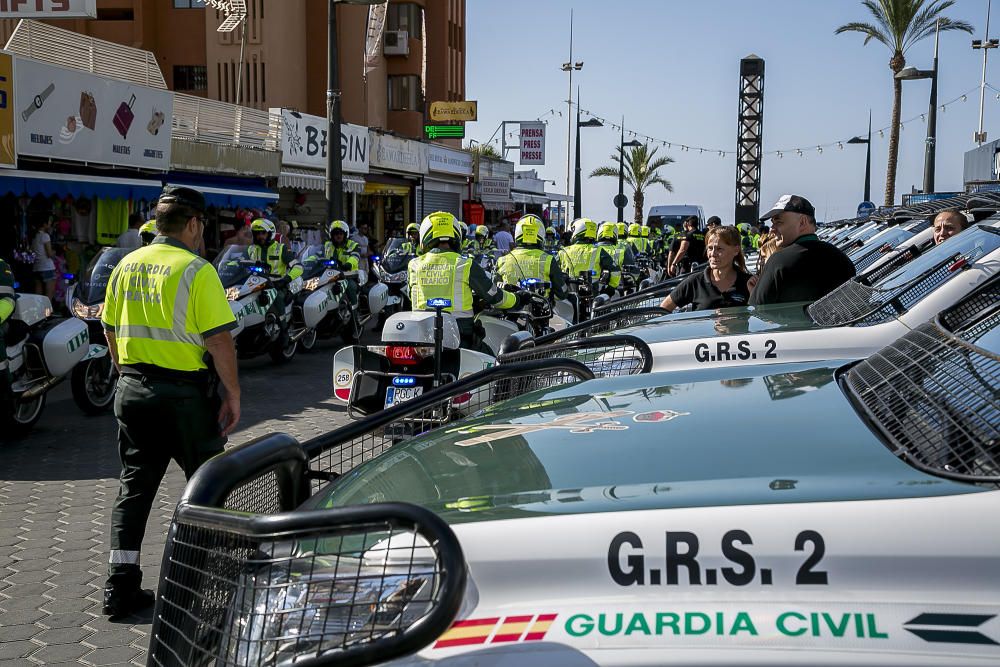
151,372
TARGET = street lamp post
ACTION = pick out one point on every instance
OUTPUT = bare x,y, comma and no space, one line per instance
620,200
868,160
985,45
908,74
570,67
334,165
577,186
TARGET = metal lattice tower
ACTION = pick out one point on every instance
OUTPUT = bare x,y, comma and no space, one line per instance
750,139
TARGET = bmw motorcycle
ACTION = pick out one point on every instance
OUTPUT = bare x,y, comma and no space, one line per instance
94,379
321,309
391,269
41,352
252,291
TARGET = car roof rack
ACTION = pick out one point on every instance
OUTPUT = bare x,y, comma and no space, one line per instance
608,322
932,394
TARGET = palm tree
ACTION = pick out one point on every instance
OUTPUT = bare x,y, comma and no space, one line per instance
899,24
641,167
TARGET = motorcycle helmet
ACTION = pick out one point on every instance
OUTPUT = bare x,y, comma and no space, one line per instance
462,230
339,226
645,231
551,232
584,229
148,232
260,225
528,230
635,230
622,229
436,227
482,231
412,229
606,232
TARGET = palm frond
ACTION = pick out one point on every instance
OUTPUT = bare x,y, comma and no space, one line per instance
868,30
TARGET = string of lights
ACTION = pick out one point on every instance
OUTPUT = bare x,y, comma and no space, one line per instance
799,151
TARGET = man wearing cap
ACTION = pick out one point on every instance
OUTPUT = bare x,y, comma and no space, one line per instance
165,316
806,268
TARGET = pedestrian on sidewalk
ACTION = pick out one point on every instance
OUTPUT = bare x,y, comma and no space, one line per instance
165,309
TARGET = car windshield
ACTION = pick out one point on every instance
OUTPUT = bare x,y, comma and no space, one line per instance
891,237
94,279
395,257
235,266
859,304
862,237
674,221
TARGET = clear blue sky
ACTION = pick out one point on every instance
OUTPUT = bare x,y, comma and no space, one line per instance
672,68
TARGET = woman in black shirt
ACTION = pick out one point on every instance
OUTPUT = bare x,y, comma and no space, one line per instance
723,284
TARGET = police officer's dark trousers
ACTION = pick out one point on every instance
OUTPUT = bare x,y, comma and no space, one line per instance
161,416
472,334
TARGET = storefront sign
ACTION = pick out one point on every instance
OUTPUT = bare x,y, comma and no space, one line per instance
532,143
447,161
73,115
303,143
494,189
390,152
8,152
47,9
461,111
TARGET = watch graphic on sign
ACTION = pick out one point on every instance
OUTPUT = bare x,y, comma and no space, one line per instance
38,102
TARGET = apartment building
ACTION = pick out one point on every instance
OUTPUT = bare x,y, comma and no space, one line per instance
284,54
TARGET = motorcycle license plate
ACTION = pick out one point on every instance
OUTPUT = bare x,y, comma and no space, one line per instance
397,395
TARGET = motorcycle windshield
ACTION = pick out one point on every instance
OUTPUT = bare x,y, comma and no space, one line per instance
314,261
94,280
235,266
394,258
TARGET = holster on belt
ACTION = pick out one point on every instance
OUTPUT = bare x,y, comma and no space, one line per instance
214,381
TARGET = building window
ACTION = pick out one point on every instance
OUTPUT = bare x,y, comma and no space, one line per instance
115,15
405,93
190,77
405,16
189,4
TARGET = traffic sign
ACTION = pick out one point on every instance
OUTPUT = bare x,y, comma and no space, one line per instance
865,209
444,131
620,201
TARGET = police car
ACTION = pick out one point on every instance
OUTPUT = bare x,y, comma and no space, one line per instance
814,513
865,313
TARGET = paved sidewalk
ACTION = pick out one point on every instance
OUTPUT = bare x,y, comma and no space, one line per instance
56,491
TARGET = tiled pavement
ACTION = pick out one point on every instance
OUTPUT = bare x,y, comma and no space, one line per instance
56,490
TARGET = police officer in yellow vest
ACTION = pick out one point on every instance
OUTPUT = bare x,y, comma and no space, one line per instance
412,244
165,315
442,273
607,237
347,255
551,240
635,238
281,261
583,255
528,260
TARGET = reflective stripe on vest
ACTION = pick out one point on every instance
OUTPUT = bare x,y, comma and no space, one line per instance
178,332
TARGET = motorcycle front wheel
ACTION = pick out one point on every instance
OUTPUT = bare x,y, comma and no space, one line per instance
282,354
308,341
26,414
93,383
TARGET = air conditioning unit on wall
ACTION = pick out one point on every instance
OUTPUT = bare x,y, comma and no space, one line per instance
397,43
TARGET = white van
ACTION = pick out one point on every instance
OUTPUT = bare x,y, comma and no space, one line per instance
675,215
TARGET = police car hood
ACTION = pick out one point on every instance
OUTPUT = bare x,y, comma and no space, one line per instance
662,440
723,322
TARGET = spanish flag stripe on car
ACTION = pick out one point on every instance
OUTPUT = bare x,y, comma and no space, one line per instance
480,630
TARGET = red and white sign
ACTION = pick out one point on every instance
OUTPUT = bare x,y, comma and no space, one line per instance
47,9
532,143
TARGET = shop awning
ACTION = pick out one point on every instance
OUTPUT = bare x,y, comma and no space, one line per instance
385,189
232,197
528,198
495,205
314,179
49,184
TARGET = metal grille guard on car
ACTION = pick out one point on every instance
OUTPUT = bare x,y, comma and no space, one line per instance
857,303
599,325
605,356
335,453
933,393
351,586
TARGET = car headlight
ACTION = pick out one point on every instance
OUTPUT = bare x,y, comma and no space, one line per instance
233,293
85,312
312,604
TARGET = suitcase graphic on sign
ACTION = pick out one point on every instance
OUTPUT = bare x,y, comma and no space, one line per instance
124,117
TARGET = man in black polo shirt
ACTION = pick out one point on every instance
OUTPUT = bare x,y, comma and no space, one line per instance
804,268
690,251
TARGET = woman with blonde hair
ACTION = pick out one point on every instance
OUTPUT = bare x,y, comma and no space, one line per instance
723,283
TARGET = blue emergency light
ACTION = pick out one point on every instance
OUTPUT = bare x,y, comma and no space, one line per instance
439,303
68,276
375,258
330,262
256,269
404,381
528,282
